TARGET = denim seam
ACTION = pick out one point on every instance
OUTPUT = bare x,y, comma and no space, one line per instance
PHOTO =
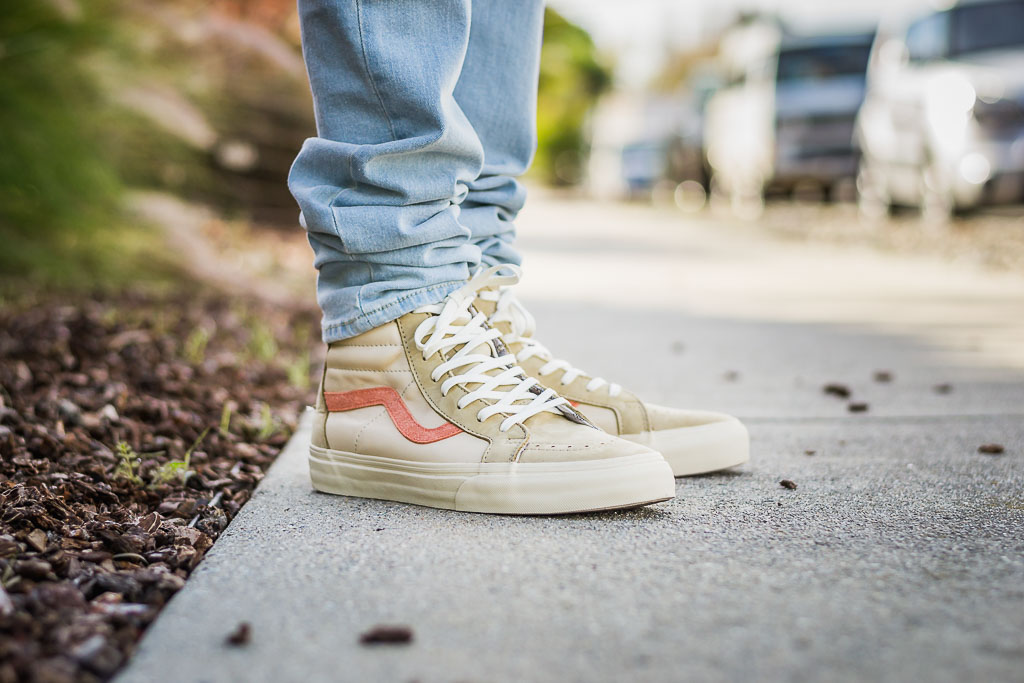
334,214
392,304
369,73
359,292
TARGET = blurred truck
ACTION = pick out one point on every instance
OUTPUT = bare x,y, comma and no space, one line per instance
670,157
942,126
738,136
819,88
787,118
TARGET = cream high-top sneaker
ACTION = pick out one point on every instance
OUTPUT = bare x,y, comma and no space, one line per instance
431,409
692,441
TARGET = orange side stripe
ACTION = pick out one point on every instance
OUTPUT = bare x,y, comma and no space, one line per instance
341,401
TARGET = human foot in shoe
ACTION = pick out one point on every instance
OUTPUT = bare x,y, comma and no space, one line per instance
692,441
431,410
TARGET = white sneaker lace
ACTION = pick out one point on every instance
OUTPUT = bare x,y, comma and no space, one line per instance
454,325
522,325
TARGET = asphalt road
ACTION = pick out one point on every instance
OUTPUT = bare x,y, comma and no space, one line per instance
899,556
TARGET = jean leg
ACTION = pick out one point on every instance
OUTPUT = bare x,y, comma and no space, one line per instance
379,187
498,92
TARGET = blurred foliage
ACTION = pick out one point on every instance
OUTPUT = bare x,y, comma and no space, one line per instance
680,67
59,189
572,76
102,96
232,76
205,99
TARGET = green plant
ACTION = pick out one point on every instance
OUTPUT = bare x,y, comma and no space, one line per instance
572,76
262,344
268,423
128,464
225,419
298,371
195,345
177,469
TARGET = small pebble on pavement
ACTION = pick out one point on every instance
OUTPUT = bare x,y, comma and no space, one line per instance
241,635
387,635
837,390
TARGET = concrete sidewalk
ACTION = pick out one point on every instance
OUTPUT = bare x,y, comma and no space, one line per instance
899,556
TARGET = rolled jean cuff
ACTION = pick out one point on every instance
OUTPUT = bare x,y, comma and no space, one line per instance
393,310
496,251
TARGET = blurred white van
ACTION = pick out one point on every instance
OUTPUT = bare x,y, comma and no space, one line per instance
942,126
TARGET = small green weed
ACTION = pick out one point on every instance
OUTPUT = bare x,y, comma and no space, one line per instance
262,344
268,423
177,469
127,464
298,371
225,418
195,345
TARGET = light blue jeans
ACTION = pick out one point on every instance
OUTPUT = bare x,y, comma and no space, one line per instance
425,114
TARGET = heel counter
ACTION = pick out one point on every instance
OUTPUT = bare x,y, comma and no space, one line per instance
319,435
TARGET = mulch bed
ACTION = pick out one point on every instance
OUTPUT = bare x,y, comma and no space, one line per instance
132,429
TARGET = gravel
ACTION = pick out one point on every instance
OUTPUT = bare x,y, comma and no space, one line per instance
132,430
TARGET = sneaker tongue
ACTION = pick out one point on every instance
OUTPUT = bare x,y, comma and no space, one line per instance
485,306
489,308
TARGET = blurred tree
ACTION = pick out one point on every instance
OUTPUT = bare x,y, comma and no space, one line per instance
680,66
571,79
220,104
206,100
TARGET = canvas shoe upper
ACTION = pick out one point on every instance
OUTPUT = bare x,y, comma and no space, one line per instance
692,441
431,409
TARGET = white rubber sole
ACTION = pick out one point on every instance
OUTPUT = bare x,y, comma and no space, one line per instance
499,488
700,449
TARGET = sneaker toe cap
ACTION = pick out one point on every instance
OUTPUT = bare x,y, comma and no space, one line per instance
672,418
578,443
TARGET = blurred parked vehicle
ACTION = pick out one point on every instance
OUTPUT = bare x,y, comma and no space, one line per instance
687,168
738,117
644,165
819,88
787,118
942,127
671,156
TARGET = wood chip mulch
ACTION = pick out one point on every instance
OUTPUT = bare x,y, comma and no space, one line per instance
132,429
